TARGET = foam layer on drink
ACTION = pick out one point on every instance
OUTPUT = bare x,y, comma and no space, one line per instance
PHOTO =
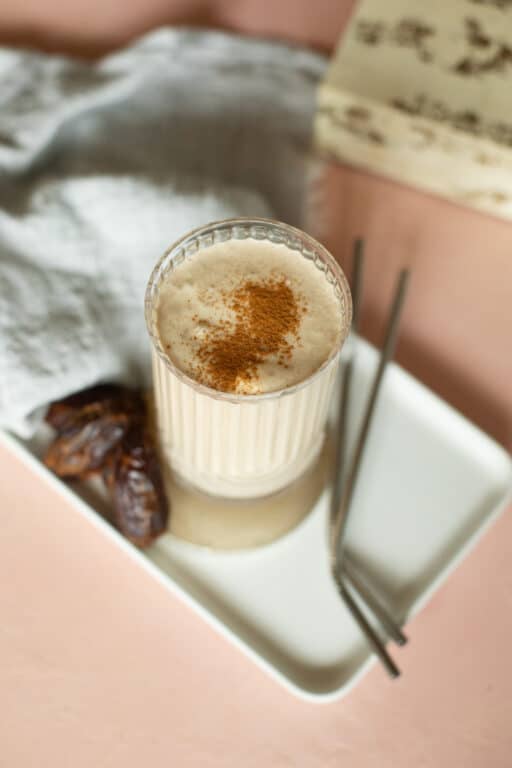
248,317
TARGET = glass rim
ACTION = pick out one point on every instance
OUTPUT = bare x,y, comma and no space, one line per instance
233,397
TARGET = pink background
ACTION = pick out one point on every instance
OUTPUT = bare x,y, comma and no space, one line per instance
100,667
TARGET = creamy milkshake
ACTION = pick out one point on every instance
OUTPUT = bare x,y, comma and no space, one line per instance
247,319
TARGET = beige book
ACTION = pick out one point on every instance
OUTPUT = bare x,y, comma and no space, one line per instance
422,92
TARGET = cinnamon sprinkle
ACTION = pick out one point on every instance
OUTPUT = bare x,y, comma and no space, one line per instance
267,318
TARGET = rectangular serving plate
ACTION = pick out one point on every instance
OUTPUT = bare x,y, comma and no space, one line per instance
430,485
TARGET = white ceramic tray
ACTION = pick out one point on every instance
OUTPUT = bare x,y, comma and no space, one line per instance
429,486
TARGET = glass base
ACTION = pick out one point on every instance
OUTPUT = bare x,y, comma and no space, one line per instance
232,524
248,488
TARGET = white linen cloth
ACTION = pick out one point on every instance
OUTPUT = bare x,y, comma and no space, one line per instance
103,165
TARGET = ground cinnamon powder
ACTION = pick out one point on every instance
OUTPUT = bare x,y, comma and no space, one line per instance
267,318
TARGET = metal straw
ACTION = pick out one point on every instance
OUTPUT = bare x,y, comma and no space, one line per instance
350,572
340,442
364,589
388,348
357,584
342,492
371,636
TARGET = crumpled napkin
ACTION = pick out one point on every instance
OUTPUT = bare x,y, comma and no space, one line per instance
103,165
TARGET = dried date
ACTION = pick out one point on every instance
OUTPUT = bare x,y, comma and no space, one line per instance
90,424
138,492
83,448
91,403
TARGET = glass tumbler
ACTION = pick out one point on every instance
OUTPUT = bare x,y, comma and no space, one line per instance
242,445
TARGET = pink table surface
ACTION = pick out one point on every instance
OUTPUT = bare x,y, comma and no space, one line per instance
100,667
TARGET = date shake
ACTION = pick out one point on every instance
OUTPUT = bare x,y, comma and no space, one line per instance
247,319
